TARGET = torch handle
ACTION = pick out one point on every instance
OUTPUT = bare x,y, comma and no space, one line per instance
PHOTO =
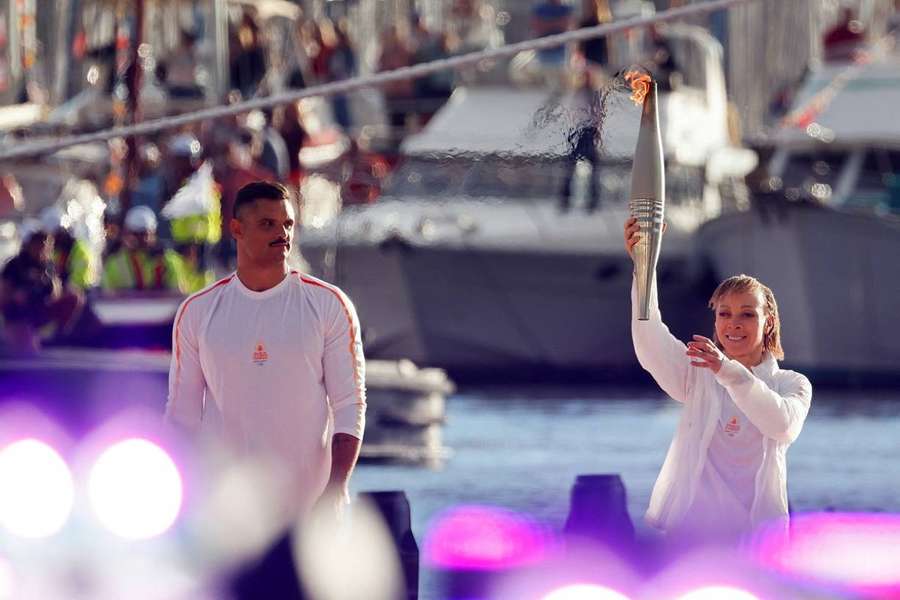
649,214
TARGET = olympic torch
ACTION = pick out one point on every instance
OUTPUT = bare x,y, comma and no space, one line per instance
647,201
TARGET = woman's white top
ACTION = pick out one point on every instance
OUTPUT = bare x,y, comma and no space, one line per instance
725,472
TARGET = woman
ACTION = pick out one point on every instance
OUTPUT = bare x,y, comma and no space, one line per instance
725,473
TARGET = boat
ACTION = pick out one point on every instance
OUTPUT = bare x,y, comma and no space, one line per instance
824,234
469,262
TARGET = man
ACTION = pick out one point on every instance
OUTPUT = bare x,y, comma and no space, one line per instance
280,355
193,210
75,262
33,296
141,264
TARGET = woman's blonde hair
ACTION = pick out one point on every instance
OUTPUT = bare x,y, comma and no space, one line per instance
747,284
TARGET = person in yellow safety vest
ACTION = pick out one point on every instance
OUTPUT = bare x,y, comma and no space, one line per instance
76,264
142,264
195,222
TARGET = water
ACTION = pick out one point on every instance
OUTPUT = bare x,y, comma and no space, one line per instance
522,450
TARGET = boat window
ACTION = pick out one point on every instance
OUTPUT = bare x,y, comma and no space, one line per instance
522,179
879,170
812,175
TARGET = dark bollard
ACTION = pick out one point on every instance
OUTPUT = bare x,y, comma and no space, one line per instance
599,513
394,508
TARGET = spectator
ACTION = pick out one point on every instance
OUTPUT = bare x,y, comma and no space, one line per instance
142,264
844,40
663,67
193,211
234,169
396,53
342,65
434,89
248,57
73,260
33,295
149,188
550,17
293,133
323,43
273,152
179,72
595,51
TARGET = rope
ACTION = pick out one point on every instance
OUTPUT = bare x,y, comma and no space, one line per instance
36,147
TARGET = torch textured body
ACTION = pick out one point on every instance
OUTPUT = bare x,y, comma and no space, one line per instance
647,201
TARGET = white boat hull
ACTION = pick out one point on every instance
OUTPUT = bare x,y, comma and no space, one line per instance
481,311
835,276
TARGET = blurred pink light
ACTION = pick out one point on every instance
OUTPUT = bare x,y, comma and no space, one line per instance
856,550
36,489
483,538
585,592
718,593
135,489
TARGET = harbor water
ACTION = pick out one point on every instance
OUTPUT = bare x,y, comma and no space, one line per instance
521,449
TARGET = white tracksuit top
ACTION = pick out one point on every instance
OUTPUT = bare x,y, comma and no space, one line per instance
774,401
284,367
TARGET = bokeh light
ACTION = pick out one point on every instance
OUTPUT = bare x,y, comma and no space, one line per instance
484,538
854,550
585,592
135,489
36,489
718,592
7,580
350,560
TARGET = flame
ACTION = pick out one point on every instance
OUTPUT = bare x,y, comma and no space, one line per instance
640,85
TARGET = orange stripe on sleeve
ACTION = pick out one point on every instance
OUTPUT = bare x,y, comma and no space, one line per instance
181,316
353,332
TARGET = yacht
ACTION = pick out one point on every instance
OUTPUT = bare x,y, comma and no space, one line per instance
825,236
470,261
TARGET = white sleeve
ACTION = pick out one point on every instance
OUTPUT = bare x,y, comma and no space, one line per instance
660,353
778,416
187,384
345,368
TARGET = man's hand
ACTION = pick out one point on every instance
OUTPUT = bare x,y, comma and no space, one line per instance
344,452
329,508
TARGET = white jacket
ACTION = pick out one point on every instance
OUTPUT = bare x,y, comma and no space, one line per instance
776,401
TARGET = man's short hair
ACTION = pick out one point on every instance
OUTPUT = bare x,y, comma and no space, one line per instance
259,190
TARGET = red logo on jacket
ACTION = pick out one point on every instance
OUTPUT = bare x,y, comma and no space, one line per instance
260,355
732,428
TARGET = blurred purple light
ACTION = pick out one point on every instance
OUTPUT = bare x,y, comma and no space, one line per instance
483,538
585,592
718,592
36,489
856,550
135,489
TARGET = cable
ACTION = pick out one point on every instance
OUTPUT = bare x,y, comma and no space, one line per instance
48,146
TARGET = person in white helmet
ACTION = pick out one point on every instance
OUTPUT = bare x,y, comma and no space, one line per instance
142,264
35,304
75,263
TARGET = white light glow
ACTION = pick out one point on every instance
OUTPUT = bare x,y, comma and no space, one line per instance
7,581
718,593
585,592
36,489
135,489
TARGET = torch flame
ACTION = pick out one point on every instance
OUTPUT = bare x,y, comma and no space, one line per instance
640,85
